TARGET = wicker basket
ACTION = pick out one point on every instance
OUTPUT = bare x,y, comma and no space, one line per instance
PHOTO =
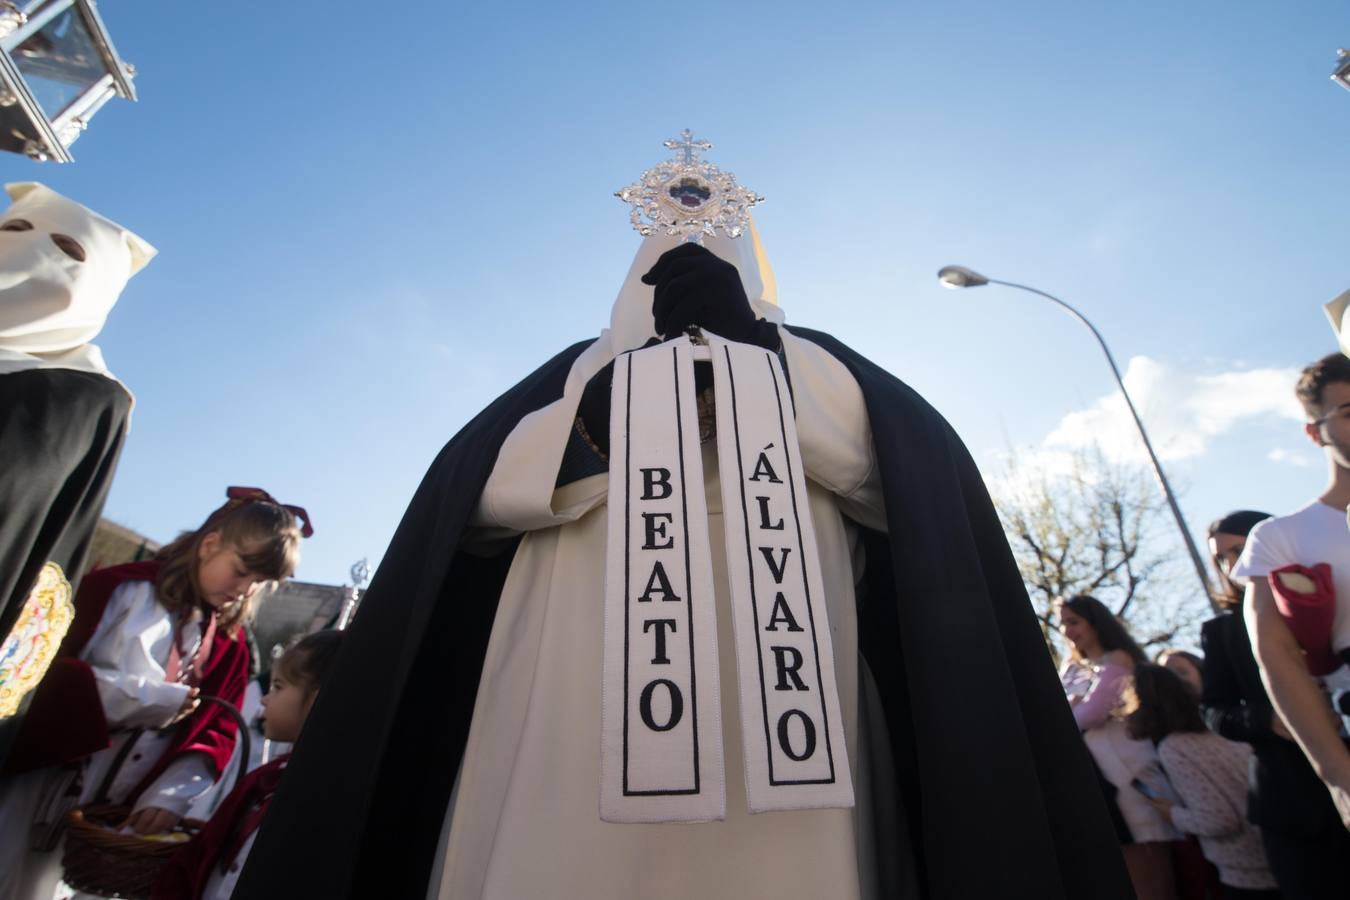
99,859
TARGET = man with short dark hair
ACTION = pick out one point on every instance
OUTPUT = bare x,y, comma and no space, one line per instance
1311,863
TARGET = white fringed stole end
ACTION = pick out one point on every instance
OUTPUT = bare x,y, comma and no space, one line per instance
795,757
661,753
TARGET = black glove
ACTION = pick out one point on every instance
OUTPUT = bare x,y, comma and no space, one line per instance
696,287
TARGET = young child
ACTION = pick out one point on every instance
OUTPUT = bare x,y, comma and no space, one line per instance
119,718
209,865
1209,775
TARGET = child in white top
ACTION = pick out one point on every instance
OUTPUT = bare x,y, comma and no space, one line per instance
118,717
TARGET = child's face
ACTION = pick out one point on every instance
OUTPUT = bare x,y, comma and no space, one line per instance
221,574
285,707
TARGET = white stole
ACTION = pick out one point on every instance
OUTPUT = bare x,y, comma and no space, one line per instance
661,751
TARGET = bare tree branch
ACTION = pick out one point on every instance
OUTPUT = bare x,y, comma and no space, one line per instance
1089,531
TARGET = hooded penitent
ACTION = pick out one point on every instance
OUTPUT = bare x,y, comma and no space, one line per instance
62,268
464,745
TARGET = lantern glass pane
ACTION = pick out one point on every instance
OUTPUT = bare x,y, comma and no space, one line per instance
60,62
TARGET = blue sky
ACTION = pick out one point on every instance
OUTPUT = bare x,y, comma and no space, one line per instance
372,220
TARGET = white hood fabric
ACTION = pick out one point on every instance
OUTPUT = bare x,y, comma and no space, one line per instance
631,322
1336,312
51,304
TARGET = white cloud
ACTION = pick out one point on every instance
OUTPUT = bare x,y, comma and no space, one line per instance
1021,472
1280,455
1183,411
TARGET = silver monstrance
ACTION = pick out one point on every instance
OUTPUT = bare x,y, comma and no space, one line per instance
688,196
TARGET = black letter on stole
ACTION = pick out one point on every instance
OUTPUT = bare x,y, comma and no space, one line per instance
660,659
676,707
780,606
764,516
777,570
656,530
649,483
808,727
658,584
762,467
786,671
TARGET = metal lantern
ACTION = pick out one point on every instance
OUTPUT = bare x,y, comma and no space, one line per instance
58,66
1342,74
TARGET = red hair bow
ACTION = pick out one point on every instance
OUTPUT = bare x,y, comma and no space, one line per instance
252,494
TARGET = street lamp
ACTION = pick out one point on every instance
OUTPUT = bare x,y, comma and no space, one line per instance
960,277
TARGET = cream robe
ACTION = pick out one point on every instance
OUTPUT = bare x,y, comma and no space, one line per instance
524,820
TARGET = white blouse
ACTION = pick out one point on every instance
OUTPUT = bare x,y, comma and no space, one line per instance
129,652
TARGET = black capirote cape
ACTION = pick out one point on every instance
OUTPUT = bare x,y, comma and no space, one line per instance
61,432
995,792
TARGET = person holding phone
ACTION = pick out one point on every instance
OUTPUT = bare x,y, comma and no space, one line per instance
1207,772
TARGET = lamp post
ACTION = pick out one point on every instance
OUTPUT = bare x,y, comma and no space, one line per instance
960,277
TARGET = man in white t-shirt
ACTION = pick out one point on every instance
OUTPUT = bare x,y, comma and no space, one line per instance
1314,534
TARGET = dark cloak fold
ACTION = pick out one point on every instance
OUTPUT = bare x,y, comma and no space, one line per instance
61,432
996,792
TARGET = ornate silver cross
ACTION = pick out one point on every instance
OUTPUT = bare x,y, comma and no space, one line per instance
688,145
688,196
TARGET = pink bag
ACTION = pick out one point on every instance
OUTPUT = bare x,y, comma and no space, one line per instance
1309,614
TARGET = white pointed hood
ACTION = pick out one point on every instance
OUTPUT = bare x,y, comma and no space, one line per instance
52,304
631,322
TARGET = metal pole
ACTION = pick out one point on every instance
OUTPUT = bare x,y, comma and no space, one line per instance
1148,445
360,573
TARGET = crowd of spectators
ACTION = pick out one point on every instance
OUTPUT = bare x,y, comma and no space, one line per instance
1243,750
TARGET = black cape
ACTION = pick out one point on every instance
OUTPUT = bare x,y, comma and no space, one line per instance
996,794
1285,794
61,431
